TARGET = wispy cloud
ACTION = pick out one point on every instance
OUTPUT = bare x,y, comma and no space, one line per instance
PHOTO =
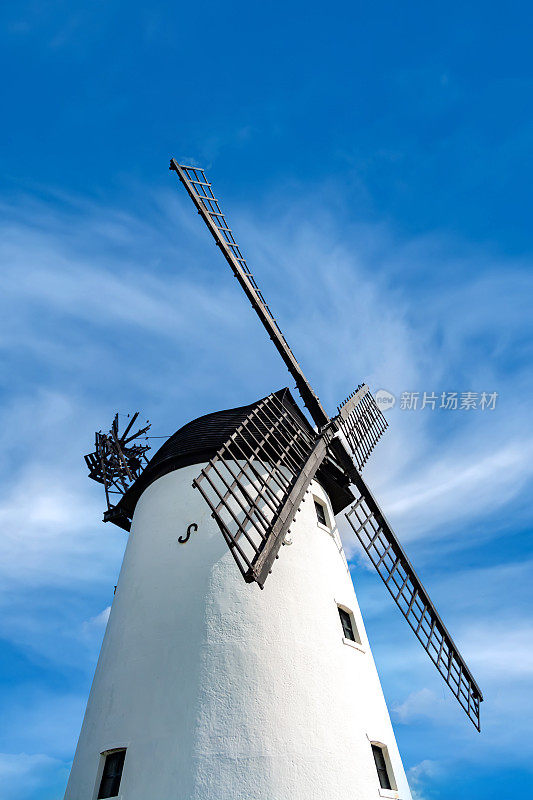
100,620
503,649
46,508
422,774
422,703
22,774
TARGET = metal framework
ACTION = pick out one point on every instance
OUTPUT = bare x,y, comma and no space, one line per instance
201,193
388,557
256,482
361,424
117,461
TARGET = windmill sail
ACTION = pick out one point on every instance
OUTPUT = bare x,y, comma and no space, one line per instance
201,193
395,570
361,423
256,482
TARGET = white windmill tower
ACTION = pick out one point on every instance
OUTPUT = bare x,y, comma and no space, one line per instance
207,688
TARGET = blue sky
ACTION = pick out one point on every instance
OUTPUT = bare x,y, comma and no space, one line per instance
374,160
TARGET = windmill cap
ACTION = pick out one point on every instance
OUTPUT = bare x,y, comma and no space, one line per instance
199,440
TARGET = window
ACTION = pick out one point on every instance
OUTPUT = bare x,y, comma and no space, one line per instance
347,624
381,765
321,513
113,765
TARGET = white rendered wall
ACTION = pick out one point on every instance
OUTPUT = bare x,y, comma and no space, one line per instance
221,691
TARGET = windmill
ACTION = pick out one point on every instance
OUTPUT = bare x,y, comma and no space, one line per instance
257,475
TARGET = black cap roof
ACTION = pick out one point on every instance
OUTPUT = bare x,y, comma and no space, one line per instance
199,440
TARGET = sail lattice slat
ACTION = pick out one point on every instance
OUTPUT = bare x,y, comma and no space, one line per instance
394,568
256,482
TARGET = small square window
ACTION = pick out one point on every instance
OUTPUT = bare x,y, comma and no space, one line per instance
347,624
381,766
112,773
321,513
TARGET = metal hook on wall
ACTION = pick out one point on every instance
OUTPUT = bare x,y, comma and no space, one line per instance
192,527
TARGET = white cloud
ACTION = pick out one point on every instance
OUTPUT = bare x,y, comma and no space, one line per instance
419,704
49,515
456,488
45,537
420,775
17,765
100,620
501,649
22,773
